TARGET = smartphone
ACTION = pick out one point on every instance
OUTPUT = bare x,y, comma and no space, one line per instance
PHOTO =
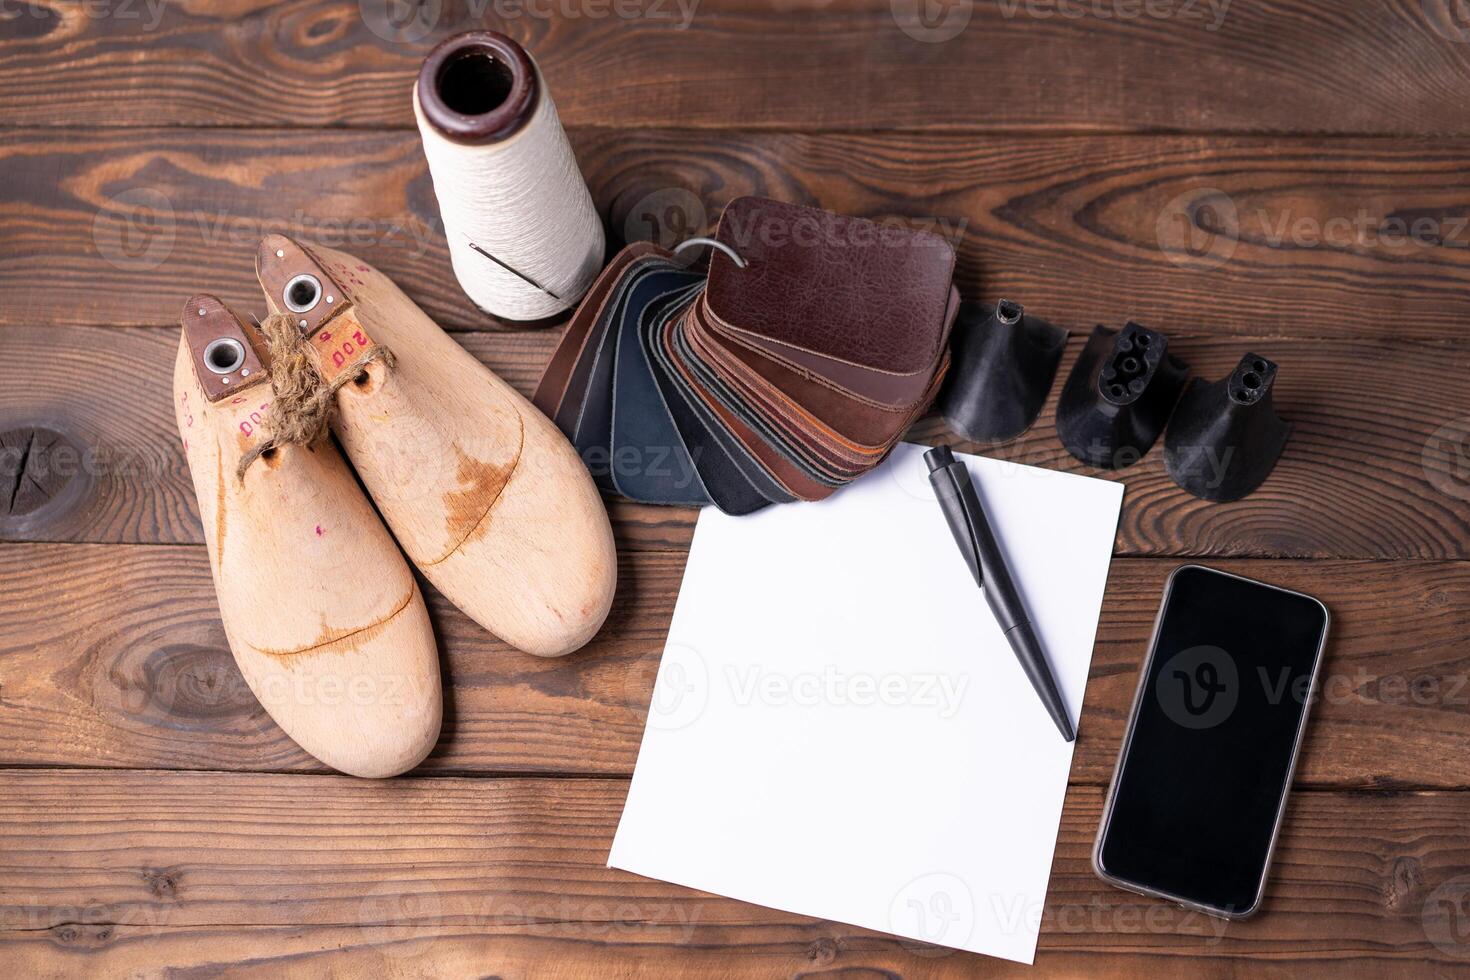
1202,778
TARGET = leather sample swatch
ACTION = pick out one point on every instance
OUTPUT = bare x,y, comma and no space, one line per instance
778,378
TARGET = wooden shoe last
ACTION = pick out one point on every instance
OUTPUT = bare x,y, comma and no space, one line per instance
321,611
483,492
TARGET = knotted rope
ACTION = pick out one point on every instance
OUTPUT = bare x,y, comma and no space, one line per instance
303,402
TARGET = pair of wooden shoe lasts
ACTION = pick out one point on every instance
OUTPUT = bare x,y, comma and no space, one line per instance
486,496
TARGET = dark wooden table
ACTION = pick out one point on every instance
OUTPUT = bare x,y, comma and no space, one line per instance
1292,178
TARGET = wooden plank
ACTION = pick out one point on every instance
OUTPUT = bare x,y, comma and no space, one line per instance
487,877
552,949
113,656
1371,472
114,447
1245,66
1293,237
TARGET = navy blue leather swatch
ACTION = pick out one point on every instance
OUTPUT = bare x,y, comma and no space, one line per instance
648,461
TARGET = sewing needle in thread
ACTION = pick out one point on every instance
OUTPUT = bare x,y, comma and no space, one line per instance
515,272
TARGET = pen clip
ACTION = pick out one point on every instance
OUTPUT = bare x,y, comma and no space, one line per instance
950,481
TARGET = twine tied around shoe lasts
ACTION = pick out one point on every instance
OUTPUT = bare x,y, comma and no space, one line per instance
303,402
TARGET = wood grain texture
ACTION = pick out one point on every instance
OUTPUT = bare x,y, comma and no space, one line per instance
36,477
787,950
1294,181
1290,237
1375,475
126,476
1243,66
113,656
106,872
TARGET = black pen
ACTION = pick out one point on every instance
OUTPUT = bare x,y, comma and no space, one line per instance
972,533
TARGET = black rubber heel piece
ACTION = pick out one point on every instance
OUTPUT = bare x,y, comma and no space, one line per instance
1225,436
1003,369
1119,396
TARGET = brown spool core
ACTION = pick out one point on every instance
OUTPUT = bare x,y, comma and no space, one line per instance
478,87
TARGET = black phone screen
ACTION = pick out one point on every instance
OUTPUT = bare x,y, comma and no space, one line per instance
1207,765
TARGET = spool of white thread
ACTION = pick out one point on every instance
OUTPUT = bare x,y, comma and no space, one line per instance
524,237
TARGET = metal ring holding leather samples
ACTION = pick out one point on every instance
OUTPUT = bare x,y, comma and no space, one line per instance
712,243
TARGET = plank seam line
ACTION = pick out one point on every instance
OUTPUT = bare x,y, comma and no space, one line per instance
562,777
783,129
1117,556
1430,343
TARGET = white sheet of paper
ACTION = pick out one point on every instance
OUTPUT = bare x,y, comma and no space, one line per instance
839,728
